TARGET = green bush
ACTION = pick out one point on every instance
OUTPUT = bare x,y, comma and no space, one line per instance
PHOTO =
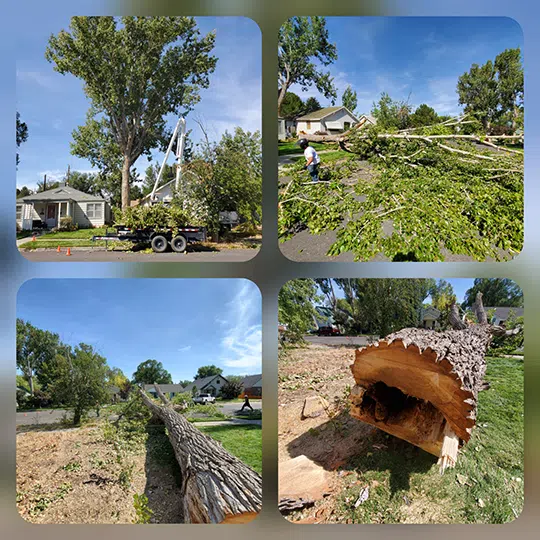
158,216
67,225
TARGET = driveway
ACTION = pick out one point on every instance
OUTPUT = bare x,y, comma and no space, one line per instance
100,255
231,408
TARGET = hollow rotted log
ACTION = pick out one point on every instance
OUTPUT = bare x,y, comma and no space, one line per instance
217,487
422,386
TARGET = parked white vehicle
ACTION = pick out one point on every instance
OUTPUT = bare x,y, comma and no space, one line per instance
203,399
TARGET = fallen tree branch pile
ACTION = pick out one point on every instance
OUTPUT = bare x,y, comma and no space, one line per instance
216,486
436,191
422,386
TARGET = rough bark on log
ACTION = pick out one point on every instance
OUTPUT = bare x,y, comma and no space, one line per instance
415,382
216,486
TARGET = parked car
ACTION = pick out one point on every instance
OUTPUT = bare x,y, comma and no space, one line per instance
328,331
203,399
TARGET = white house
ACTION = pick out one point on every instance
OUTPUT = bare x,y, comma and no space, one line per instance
430,318
48,207
366,120
501,314
328,120
170,390
163,194
207,385
286,128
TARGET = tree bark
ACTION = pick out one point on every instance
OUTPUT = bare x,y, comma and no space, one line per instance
216,486
126,168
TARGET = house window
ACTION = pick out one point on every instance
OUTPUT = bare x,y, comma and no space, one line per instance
308,125
218,381
18,213
94,210
346,126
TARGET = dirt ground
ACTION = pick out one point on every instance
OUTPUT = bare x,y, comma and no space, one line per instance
331,438
76,476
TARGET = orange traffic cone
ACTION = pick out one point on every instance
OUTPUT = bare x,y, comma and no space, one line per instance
33,238
58,250
68,254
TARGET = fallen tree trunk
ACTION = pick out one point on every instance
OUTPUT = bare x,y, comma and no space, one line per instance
422,386
216,486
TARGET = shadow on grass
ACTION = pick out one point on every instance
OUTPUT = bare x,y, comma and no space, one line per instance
347,444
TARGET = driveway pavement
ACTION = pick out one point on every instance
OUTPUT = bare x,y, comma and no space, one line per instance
100,255
338,341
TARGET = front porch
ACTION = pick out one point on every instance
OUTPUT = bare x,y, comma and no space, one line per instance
47,212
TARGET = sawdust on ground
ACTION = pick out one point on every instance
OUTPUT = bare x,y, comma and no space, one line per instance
73,476
332,438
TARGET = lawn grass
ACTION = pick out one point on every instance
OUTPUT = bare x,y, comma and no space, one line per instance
285,148
245,442
485,487
78,238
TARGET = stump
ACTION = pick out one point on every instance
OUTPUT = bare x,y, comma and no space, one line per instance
217,487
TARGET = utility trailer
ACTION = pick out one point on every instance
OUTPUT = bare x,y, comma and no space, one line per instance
177,238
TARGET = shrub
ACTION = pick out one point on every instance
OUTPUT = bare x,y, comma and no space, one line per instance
158,216
231,389
66,224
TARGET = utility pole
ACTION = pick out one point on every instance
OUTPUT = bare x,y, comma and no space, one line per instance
44,182
68,175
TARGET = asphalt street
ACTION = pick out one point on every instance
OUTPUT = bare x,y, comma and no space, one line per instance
337,341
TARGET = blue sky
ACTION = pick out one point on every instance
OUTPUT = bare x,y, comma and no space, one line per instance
420,57
183,323
53,105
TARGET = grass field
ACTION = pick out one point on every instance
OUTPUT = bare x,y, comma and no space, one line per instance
485,487
245,442
285,148
64,239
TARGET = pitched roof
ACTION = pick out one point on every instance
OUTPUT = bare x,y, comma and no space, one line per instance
165,387
251,380
502,313
200,384
321,113
60,193
432,311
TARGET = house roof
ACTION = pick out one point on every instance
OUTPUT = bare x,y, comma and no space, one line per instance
323,113
430,312
502,313
200,384
61,193
369,118
251,381
165,387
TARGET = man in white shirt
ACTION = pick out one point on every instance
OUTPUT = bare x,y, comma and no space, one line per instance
312,159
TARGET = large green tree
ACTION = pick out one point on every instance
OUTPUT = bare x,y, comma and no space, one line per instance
510,83
391,114
136,71
296,307
349,99
35,347
208,371
381,306
442,297
292,106
81,380
497,292
150,372
312,104
424,115
85,182
303,46
21,133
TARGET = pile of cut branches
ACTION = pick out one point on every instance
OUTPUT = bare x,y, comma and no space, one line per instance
158,216
438,190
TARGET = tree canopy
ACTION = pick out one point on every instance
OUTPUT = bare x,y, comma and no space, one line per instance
349,99
493,92
497,292
208,371
150,372
311,105
21,132
391,114
296,307
292,106
424,115
136,71
303,45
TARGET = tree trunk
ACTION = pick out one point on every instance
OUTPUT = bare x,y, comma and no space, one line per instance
126,168
281,97
216,486
31,382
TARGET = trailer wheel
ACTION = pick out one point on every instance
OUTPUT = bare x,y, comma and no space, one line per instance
159,244
179,243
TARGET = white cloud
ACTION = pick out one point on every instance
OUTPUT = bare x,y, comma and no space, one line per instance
444,96
44,80
185,349
242,340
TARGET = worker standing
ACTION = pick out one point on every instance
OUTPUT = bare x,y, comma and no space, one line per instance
312,159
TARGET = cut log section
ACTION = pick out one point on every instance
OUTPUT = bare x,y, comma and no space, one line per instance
216,486
422,386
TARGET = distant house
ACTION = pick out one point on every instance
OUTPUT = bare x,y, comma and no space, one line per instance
48,207
114,393
365,121
163,194
207,385
170,390
252,386
501,314
286,128
429,318
329,120
324,318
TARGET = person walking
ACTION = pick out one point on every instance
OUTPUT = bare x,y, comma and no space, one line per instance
246,403
312,159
